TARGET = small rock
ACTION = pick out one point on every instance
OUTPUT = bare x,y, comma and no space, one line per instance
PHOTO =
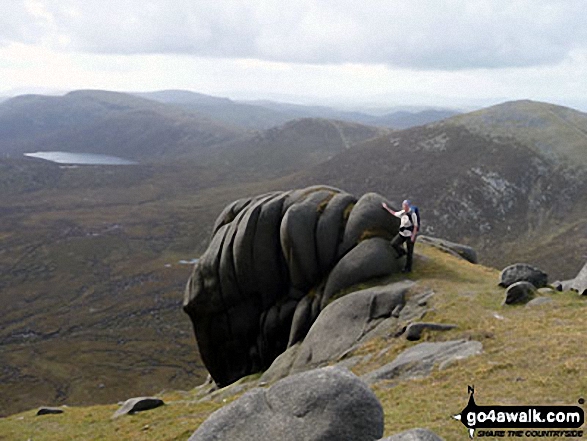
414,330
538,301
522,272
138,404
49,411
546,290
458,250
519,292
414,435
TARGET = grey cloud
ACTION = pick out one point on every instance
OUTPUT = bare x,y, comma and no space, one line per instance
418,34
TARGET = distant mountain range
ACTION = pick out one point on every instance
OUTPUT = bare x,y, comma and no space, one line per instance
264,114
168,126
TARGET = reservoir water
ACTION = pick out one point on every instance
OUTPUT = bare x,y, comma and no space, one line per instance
80,158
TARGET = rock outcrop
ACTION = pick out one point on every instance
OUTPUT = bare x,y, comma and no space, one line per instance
322,404
456,249
273,264
420,360
350,321
579,283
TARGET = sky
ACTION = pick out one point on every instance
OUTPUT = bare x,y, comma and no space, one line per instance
451,53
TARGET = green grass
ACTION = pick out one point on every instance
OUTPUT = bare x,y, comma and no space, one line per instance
95,423
530,356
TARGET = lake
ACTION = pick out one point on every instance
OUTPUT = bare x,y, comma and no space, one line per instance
80,158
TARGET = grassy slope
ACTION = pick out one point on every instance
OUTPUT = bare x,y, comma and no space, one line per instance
531,356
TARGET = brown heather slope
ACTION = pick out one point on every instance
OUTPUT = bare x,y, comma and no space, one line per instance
90,279
500,194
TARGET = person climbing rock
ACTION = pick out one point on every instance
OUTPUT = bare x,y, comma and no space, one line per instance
408,231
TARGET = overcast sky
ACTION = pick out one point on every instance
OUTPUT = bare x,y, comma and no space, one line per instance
383,52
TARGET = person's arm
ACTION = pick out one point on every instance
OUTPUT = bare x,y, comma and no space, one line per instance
384,205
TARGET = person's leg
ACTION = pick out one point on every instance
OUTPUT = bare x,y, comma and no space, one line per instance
397,243
410,247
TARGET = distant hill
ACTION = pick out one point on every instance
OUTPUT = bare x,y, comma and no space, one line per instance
108,123
222,109
500,186
291,147
400,119
555,132
405,120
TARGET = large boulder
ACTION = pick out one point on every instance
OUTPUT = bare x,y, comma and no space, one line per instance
522,272
343,323
323,404
273,264
368,219
370,259
519,293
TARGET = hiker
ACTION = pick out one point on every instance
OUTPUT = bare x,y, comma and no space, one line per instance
407,232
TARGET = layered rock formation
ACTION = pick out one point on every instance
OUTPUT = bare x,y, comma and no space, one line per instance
277,259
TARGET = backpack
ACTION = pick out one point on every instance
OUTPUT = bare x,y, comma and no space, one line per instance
416,210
